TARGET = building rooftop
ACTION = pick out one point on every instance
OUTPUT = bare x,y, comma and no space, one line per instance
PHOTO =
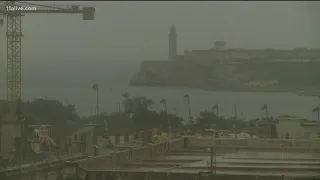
310,123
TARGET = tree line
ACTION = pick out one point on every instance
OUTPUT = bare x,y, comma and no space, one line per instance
137,115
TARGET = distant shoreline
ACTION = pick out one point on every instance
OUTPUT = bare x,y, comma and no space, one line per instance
260,90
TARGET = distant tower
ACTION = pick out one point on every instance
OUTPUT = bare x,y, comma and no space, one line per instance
172,43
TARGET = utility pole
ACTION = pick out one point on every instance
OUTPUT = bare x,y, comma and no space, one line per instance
97,101
95,87
235,112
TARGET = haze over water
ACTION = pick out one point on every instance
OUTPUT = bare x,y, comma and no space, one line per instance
75,85
63,55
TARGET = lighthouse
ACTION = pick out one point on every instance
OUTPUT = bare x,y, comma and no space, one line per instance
172,43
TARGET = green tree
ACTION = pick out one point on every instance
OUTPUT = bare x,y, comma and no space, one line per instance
316,110
134,104
62,117
207,118
137,116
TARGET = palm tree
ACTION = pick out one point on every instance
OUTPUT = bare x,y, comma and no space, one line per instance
317,110
164,102
235,111
216,107
265,108
95,87
188,100
125,95
131,105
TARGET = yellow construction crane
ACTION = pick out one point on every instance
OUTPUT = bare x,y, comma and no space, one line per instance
12,12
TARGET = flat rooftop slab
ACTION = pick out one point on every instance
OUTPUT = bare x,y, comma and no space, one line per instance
241,163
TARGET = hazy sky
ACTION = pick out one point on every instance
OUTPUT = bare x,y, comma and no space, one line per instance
139,30
62,50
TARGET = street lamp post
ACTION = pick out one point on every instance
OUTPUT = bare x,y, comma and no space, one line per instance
235,111
95,87
265,108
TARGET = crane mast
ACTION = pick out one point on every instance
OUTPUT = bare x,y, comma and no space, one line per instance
14,36
12,123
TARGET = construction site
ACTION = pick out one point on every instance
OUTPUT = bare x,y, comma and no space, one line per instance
22,142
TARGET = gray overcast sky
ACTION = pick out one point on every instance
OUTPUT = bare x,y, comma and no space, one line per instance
139,30
62,55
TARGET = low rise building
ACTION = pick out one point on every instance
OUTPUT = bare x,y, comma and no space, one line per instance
290,127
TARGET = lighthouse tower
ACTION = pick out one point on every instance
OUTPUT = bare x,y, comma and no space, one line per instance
172,43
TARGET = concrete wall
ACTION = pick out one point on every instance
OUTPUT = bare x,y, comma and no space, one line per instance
312,145
292,127
144,152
